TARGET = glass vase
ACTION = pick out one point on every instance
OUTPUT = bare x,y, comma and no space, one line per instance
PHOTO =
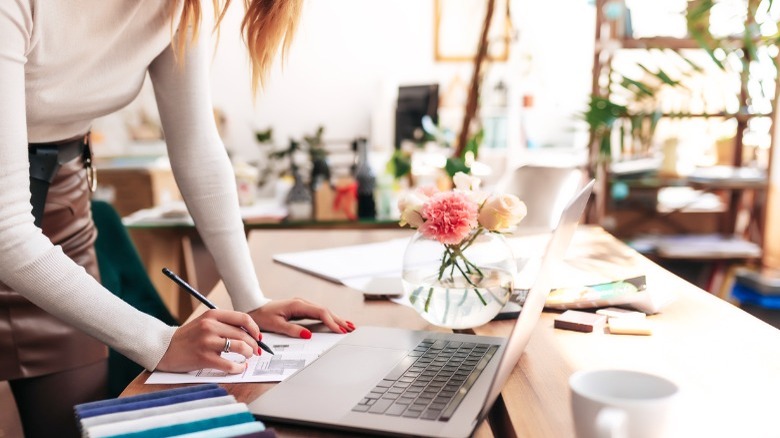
459,286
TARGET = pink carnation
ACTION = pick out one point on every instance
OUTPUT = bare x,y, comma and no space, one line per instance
449,217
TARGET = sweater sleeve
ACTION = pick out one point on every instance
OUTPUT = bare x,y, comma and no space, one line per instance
202,168
30,264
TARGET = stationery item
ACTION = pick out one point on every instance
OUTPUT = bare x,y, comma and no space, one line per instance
617,312
372,379
254,429
268,433
622,403
292,354
194,426
597,295
184,285
164,420
349,262
143,397
159,401
580,321
158,410
630,326
164,414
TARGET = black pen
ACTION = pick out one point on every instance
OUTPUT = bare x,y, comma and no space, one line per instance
184,285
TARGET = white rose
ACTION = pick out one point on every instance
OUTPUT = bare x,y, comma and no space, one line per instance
411,217
464,182
410,206
470,186
501,212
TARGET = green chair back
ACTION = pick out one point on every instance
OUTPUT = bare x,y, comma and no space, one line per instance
123,273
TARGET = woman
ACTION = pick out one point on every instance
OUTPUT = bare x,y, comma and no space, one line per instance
63,63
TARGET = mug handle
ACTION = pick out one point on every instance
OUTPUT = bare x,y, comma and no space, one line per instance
612,423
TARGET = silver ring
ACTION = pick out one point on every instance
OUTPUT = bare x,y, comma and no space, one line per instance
227,346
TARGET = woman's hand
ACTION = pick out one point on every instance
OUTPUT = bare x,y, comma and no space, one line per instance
275,315
199,343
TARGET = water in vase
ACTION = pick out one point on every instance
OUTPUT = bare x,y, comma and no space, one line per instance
458,302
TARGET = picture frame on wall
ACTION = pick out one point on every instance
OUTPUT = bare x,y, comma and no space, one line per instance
458,27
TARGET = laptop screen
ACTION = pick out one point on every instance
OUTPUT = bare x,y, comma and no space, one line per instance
534,302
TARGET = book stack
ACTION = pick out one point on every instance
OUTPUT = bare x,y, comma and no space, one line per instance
190,412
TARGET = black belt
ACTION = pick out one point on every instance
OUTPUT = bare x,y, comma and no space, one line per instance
45,161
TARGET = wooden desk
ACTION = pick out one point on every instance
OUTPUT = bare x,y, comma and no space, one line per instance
726,361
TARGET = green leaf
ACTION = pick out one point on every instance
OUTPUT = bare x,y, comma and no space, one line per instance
472,145
750,45
265,136
602,112
399,164
700,10
455,165
605,146
697,68
660,74
700,40
637,87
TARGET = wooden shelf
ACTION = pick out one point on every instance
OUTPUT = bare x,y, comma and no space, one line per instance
671,43
660,43
655,182
749,201
738,116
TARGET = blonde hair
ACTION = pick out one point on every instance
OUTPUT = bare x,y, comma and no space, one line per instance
267,25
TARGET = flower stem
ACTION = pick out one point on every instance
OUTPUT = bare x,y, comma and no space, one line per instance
413,297
466,276
463,300
468,263
428,300
484,303
446,306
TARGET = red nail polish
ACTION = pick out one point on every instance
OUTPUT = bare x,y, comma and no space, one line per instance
305,334
260,337
258,351
343,330
352,326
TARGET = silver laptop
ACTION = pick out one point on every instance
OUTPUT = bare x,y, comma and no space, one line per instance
403,382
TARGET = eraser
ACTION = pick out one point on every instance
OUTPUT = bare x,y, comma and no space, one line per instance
579,321
617,312
630,326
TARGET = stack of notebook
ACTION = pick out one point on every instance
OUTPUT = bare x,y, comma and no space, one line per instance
191,412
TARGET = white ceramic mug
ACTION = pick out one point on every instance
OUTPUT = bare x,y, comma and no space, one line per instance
621,404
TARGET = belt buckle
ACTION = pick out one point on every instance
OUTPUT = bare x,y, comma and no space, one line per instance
91,171
91,177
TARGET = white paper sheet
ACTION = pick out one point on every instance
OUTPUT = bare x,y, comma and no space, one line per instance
381,259
291,354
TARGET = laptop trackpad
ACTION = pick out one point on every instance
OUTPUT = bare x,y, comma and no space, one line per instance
331,386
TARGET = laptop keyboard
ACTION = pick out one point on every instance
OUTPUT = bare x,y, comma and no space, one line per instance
430,382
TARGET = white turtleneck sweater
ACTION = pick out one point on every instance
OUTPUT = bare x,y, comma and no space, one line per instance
65,62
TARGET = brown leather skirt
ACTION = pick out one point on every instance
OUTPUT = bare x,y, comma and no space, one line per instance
33,342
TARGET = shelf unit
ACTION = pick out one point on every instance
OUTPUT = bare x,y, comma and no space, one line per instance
741,199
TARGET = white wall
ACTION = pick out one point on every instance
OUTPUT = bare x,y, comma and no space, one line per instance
349,56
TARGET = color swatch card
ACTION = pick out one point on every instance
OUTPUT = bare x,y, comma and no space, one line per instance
191,412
